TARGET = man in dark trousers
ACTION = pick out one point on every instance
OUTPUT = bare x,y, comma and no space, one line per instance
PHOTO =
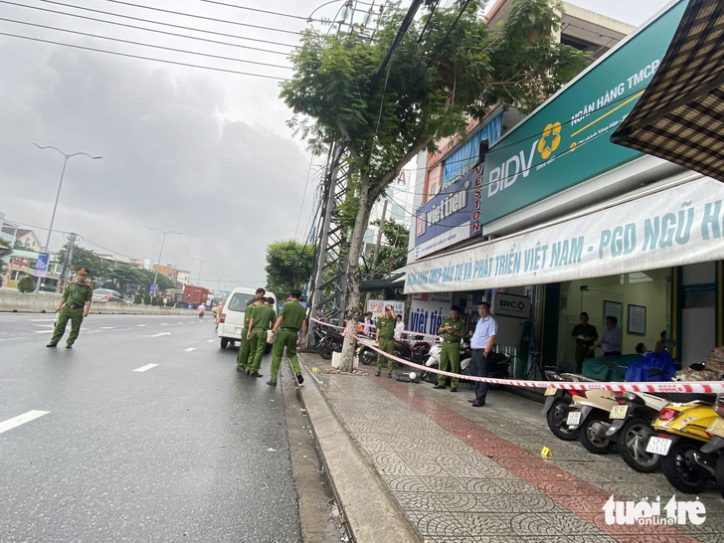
585,335
74,307
482,345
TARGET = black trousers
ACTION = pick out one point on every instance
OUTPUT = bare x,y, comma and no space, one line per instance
480,369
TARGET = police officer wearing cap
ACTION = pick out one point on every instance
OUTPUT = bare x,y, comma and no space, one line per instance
452,330
74,307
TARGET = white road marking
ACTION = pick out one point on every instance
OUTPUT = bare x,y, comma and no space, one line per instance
146,367
164,324
161,334
190,349
210,340
140,325
42,320
21,419
43,331
43,325
107,327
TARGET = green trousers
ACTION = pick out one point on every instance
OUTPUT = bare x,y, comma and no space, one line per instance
75,316
388,346
257,344
284,339
243,357
449,361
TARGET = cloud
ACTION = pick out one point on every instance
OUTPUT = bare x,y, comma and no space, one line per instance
176,155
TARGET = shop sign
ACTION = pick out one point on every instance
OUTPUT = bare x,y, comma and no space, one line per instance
567,140
428,310
378,307
451,216
41,266
510,305
674,227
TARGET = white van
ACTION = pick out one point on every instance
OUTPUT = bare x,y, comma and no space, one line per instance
232,317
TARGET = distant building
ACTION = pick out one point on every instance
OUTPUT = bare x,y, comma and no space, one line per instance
183,277
167,270
22,263
23,237
115,260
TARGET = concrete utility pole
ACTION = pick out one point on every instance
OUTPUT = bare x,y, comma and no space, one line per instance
68,260
155,275
201,267
376,254
57,197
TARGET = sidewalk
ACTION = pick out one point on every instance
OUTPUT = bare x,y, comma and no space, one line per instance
461,474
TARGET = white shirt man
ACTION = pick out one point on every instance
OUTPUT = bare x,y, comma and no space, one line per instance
482,344
611,340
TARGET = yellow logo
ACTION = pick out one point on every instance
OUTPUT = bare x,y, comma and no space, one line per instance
550,140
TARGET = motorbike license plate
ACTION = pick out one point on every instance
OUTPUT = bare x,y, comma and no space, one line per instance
574,418
619,412
716,427
550,391
658,445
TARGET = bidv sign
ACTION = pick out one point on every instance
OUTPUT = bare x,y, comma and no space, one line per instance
451,217
510,305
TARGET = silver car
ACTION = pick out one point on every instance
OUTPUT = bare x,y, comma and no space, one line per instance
107,295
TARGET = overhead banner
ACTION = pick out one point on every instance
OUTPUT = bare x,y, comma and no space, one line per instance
677,226
451,216
567,140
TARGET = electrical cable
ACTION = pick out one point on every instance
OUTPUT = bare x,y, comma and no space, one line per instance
304,196
144,29
308,19
140,19
223,70
437,49
141,6
173,49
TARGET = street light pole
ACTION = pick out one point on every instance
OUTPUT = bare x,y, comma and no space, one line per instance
220,276
66,157
201,266
155,275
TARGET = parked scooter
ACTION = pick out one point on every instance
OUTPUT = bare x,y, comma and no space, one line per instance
690,457
558,401
414,352
330,341
498,364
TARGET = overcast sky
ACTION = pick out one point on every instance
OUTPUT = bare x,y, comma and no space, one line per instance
202,152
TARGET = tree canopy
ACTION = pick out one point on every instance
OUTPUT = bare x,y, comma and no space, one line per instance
289,265
86,258
393,250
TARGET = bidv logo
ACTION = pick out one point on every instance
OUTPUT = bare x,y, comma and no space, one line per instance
647,512
507,173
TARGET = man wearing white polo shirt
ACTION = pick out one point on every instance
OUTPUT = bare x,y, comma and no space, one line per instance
482,345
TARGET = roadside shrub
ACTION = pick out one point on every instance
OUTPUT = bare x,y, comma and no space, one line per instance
26,285
147,299
138,299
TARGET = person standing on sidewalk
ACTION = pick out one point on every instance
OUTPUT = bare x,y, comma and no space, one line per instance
482,345
74,306
386,339
452,330
261,321
291,318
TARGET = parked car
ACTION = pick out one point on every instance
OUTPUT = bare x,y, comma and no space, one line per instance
232,317
107,295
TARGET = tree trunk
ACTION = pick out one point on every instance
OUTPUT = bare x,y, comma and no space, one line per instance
354,276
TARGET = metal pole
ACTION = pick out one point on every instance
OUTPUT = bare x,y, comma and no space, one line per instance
155,275
52,217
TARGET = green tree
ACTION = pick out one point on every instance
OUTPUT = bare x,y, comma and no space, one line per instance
147,299
86,258
137,299
5,252
170,302
289,265
26,285
393,250
437,78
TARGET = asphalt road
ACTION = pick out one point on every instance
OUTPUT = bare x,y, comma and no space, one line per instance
188,450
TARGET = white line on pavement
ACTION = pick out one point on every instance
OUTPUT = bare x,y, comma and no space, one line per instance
42,325
161,334
140,325
21,419
42,320
146,367
190,349
210,340
43,331
107,327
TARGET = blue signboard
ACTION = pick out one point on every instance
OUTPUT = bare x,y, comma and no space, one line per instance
451,217
41,267
152,288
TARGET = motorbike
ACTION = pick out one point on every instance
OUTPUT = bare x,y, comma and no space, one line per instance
498,364
690,441
414,352
558,401
329,341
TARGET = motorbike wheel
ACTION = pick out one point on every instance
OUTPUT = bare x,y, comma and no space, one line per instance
556,418
590,440
720,474
367,357
677,470
632,440
325,351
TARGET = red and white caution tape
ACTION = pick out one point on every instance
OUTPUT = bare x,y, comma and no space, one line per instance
700,387
432,338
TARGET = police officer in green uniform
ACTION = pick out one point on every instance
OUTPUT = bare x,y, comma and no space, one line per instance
452,330
74,307
243,358
284,335
262,320
386,339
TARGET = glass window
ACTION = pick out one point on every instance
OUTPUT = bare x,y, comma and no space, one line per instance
238,302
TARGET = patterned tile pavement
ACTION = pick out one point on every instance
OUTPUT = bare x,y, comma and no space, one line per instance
475,475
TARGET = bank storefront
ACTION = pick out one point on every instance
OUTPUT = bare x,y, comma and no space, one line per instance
574,223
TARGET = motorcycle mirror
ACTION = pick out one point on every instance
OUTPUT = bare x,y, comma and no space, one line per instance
697,366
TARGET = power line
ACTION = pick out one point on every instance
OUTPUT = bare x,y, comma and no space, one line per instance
144,29
140,19
208,55
308,19
206,18
144,58
437,49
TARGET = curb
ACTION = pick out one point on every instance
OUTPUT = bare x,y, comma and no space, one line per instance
372,515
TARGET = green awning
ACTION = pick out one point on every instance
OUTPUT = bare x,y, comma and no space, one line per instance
680,117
